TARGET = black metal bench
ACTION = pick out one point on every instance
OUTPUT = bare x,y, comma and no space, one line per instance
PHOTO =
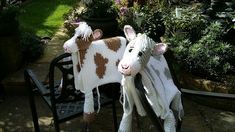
65,103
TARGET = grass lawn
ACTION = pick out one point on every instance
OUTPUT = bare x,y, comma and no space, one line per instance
44,17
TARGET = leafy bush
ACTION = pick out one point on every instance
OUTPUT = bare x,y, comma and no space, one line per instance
191,21
210,56
142,17
153,25
99,8
31,46
128,15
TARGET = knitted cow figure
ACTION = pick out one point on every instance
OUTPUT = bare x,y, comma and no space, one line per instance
95,61
144,56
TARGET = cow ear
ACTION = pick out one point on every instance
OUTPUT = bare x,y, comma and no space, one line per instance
159,48
97,34
129,32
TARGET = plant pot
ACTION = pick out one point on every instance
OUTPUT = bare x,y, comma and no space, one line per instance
209,93
10,54
189,81
109,26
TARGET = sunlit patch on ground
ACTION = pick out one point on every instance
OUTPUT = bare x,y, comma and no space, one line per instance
45,121
229,117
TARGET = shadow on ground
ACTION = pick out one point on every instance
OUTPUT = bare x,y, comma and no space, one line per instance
15,116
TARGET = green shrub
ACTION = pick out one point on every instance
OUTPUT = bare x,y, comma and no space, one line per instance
144,18
99,9
153,25
128,15
210,56
191,21
31,46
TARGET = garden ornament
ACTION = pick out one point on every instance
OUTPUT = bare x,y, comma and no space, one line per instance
95,62
142,55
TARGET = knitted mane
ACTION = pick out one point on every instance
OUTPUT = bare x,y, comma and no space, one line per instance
84,30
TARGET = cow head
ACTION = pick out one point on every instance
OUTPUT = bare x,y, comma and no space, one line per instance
138,52
82,38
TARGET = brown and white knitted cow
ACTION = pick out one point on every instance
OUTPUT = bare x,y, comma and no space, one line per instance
95,61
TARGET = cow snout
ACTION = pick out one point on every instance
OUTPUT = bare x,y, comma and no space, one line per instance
125,66
125,69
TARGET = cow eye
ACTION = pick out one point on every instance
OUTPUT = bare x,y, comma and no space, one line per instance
130,50
140,54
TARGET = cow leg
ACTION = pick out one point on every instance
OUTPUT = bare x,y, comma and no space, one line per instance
89,114
126,122
176,106
169,122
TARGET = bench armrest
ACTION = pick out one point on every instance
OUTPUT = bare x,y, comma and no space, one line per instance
32,80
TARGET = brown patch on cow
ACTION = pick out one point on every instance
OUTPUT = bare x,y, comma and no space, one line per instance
100,62
117,62
113,43
83,45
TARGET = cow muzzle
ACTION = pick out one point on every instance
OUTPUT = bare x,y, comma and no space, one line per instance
124,69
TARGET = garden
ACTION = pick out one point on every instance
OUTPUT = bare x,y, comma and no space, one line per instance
200,34
25,27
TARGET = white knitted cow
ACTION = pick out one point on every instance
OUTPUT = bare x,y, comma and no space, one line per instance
144,56
95,61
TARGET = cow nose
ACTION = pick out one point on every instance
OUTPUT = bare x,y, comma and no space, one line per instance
124,66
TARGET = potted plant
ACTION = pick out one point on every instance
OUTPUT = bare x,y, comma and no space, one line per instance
144,18
10,54
100,14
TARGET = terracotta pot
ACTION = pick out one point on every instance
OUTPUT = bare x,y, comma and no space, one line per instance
189,81
109,26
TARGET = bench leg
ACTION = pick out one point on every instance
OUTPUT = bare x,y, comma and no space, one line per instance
114,115
57,127
33,110
32,102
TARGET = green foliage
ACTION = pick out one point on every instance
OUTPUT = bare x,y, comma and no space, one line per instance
190,21
209,56
153,25
99,9
143,18
31,46
129,15
198,42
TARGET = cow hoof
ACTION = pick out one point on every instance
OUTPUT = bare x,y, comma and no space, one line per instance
89,117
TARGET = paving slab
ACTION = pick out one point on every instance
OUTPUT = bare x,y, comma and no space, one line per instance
15,116
50,52
14,83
